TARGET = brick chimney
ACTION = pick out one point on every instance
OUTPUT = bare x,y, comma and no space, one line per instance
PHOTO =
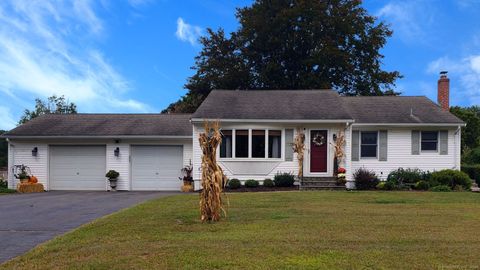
443,94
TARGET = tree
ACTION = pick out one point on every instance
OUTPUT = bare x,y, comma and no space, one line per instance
53,105
471,133
293,44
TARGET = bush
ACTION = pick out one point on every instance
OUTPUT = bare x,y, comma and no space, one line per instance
268,183
3,184
234,183
251,183
441,188
473,171
381,186
284,180
422,185
6,190
365,179
451,178
405,176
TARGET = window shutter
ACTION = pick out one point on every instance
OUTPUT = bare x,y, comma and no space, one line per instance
443,142
415,142
355,145
288,144
383,144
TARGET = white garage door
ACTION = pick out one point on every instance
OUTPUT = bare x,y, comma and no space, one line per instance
156,167
77,168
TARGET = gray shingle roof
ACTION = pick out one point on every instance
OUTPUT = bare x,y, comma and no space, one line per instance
321,105
106,125
276,105
397,109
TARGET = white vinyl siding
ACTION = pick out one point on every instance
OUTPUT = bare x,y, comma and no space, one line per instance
156,167
399,154
22,154
77,168
120,164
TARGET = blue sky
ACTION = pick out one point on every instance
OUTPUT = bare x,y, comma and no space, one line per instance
135,55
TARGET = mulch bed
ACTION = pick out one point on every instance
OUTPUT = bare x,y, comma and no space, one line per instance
261,189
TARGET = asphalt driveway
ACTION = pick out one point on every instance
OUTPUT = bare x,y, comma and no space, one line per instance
27,220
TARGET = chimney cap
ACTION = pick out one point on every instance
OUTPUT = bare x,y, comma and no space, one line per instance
443,72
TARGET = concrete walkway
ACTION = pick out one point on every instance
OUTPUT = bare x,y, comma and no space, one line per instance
27,220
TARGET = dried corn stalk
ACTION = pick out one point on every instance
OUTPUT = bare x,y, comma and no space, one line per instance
299,148
338,146
213,179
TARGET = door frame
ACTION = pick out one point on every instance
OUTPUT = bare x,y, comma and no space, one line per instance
306,167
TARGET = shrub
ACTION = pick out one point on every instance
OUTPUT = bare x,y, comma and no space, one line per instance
3,184
473,171
6,190
381,186
284,179
365,179
405,176
268,183
451,178
441,188
251,183
112,174
234,183
422,185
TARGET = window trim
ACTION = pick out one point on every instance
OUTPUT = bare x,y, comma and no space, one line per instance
250,158
437,149
361,144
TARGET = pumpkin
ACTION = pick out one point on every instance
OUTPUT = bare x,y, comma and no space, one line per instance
33,179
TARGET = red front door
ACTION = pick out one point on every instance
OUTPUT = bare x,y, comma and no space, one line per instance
318,151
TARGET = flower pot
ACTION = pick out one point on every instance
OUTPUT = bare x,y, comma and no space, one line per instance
113,183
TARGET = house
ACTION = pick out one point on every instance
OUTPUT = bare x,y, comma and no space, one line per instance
73,152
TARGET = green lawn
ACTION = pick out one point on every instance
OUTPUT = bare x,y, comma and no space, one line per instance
288,230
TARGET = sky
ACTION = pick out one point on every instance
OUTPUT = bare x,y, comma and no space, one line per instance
134,56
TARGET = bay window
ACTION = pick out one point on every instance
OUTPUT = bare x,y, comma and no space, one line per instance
241,143
258,143
274,143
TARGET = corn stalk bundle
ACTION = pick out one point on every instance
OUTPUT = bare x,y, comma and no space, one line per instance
299,148
213,179
338,146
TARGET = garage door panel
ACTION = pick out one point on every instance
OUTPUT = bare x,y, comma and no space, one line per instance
77,167
156,167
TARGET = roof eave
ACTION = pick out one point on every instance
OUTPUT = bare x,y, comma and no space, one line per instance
96,137
412,124
281,121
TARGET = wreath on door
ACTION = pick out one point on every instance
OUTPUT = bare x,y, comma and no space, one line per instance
319,139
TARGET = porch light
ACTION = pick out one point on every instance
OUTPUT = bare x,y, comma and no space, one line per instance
116,152
334,137
34,151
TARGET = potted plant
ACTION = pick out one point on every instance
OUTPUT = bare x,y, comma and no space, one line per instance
187,177
112,176
22,173
341,177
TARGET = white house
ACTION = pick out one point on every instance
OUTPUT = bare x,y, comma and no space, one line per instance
73,152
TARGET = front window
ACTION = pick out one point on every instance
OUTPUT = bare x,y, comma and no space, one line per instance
258,143
274,143
429,140
369,144
226,146
241,143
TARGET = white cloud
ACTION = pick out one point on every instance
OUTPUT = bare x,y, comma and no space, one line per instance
49,47
466,71
409,19
6,119
187,32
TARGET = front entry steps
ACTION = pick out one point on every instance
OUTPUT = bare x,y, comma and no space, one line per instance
320,183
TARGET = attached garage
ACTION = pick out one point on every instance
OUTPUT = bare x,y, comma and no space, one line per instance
77,167
156,167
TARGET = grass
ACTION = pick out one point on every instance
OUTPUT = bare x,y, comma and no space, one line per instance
287,230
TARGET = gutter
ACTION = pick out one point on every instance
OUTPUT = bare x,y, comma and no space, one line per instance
412,124
201,120
96,137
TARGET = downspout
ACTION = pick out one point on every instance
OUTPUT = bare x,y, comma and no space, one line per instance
458,146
